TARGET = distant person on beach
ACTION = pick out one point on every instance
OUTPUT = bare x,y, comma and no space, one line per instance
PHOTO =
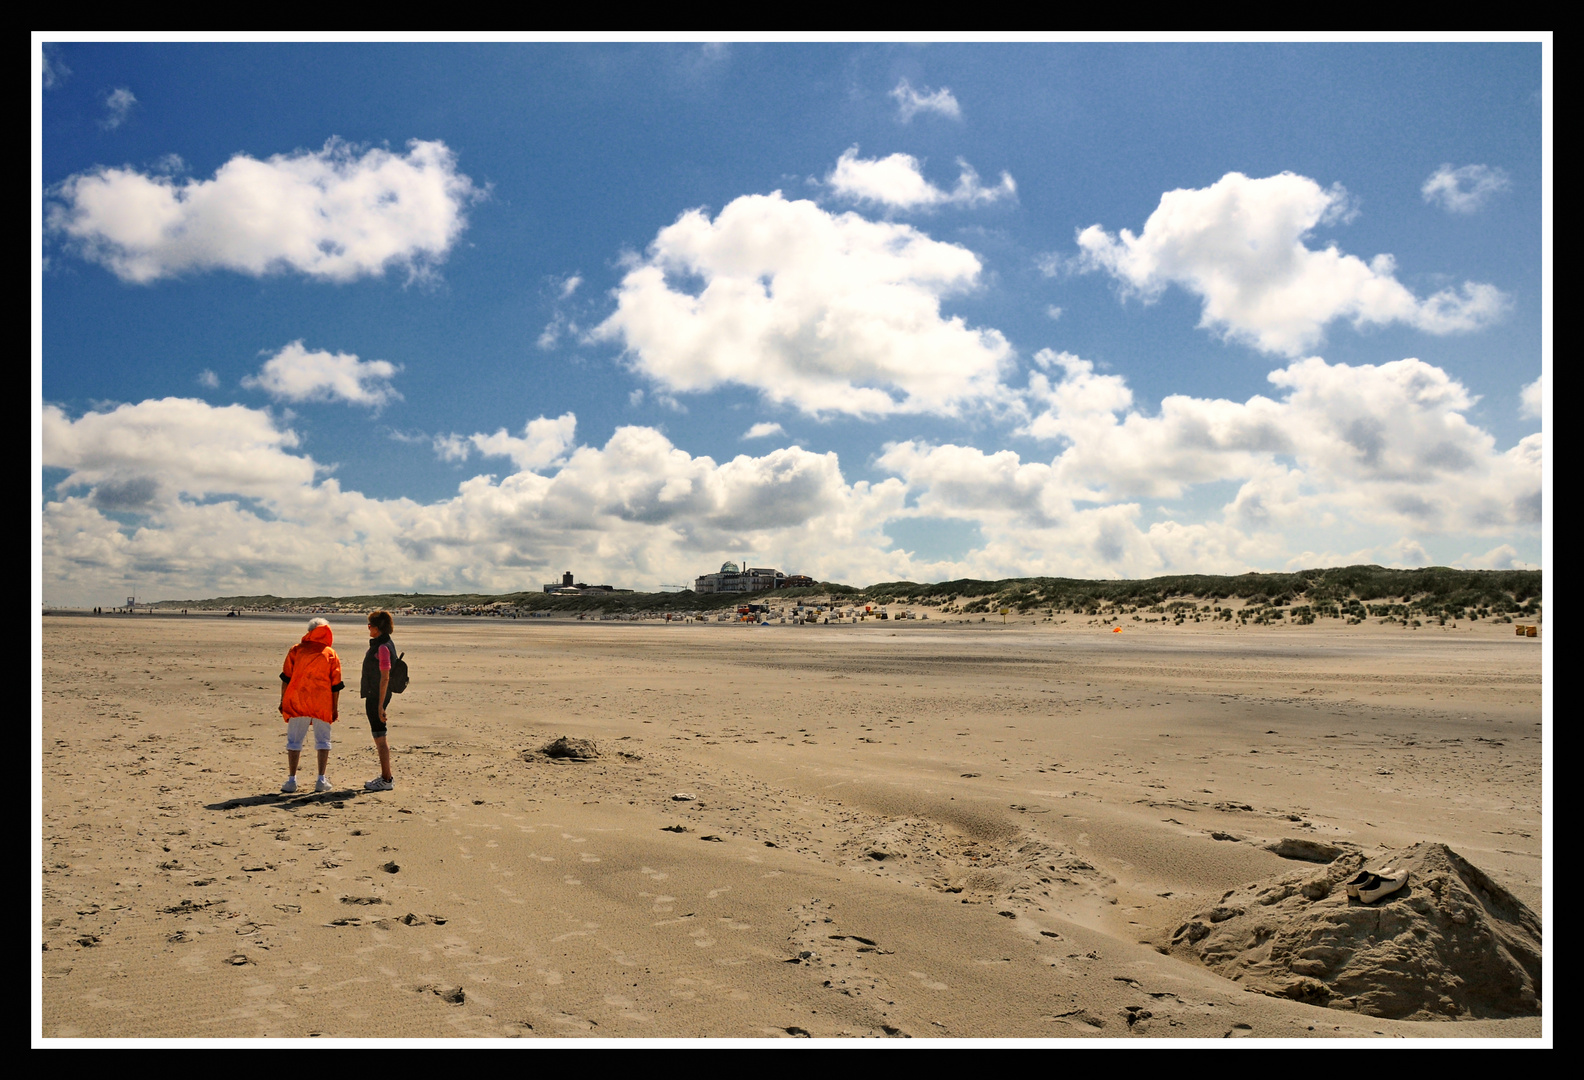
310,696
376,691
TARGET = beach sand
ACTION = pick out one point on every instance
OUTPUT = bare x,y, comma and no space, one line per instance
898,829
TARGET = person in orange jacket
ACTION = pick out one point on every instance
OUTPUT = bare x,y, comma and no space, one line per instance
310,699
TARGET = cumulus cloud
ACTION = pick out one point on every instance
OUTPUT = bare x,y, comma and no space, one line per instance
295,374
1532,400
829,313
226,505
334,214
1500,557
1340,464
1338,450
1384,443
1241,246
176,445
1464,190
911,102
898,182
208,379
543,443
118,106
763,430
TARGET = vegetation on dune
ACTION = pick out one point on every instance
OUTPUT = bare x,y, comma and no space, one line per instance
521,602
1353,593
1348,592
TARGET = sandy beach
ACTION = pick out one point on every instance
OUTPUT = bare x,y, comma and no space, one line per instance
913,828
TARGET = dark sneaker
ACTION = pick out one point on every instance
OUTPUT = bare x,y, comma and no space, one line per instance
379,783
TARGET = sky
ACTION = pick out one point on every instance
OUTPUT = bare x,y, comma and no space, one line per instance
337,318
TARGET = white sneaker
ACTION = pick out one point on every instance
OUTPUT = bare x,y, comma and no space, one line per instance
1360,879
379,783
322,784
1380,885
290,786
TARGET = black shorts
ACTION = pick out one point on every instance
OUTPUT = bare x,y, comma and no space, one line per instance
372,708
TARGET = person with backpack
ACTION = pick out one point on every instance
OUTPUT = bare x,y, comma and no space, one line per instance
384,674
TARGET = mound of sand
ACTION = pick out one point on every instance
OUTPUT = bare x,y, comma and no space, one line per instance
1451,944
567,748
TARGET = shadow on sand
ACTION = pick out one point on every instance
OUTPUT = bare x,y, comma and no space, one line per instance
288,802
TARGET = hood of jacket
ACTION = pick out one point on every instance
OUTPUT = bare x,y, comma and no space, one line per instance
320,636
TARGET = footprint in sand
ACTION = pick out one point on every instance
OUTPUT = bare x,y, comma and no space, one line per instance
928,983
653,875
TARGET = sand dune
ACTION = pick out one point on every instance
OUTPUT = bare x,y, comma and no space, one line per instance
891,830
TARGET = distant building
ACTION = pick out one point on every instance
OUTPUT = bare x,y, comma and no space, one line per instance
568,587
733,578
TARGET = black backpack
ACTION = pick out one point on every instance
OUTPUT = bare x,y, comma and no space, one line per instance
398,673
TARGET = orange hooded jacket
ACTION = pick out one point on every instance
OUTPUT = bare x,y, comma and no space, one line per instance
312,672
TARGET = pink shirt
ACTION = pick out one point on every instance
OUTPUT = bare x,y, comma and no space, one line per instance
384,658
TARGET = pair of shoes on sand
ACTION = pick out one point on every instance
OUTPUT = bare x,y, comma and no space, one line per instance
290,786
379,783
1369,886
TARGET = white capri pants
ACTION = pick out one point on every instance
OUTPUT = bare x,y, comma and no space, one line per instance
297,731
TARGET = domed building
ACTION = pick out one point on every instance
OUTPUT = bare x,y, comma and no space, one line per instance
733,578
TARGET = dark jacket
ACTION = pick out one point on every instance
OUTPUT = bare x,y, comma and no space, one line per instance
371,671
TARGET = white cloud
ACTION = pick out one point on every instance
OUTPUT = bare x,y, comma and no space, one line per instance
1532,400
333,214
1054,312
55,70
829,313
452,447
118,106
1387,443
763,430
552,332
560,322
1406,552
164,446
1500,557
208,379
543,443
898,182
1240,245
190,499
224,506
911,102
1464,190
295,374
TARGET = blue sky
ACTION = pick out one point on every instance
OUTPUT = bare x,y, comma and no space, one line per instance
333,317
